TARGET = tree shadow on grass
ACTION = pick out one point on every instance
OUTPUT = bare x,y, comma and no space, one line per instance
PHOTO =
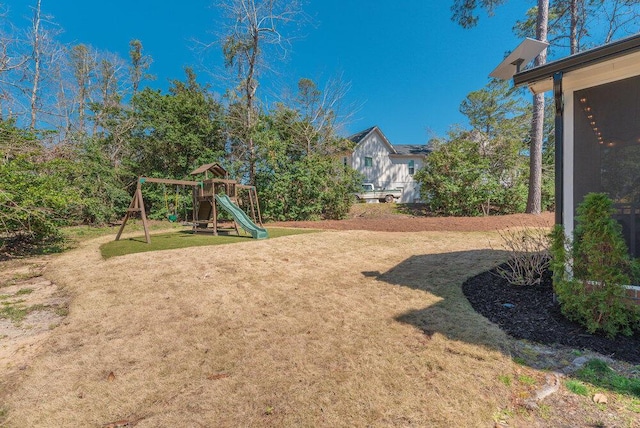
17,246
529,313
442,276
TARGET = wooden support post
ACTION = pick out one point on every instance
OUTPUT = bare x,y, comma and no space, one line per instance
214,209
251,204
136,205
131,209
255,192
143,214
194,213
234,191
235,225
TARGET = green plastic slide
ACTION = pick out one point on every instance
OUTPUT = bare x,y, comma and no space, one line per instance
241,217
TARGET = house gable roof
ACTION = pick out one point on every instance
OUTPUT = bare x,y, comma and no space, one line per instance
412,150
362,135
359,136
579,60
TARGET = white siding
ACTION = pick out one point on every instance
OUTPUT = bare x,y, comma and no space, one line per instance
400,177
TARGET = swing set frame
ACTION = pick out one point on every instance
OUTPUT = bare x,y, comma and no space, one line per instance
204,196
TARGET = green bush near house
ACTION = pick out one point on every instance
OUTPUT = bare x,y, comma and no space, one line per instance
595,295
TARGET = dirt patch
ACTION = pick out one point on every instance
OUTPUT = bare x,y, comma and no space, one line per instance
30,307
384,221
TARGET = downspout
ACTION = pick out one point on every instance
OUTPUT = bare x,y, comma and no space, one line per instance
559,142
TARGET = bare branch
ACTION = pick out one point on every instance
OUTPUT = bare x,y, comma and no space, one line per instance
252,34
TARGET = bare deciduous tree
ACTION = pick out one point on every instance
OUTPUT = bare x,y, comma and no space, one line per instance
37,62
13,59
253,27
619,16
110,75
322,112
44,52
580,24
110,116
83,63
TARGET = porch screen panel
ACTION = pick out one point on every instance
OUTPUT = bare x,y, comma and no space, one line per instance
607,150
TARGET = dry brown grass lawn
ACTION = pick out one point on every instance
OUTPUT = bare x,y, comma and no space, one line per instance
321,329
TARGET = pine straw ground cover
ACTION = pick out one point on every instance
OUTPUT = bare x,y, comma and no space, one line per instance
343,328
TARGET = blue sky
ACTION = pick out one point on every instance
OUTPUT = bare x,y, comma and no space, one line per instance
408,64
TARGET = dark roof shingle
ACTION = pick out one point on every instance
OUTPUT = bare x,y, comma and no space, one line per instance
356,138
412,149
399,150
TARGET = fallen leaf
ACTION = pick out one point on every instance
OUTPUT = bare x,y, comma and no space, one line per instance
600,398
111,377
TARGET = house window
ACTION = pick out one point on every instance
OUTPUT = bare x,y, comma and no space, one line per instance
412,167
368,161
344,161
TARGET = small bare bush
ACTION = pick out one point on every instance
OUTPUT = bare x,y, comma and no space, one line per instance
529,254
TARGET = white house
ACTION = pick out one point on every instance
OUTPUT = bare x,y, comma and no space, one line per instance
386,165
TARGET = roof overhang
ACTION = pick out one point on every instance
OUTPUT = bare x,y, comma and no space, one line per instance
540,79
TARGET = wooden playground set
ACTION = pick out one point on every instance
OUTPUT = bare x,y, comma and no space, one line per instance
215,191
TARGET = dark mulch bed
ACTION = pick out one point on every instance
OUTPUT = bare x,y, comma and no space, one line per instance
531,313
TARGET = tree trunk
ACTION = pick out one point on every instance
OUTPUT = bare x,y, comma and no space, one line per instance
250,89
534,200
535,160
36,66
82,66
252,25
573,31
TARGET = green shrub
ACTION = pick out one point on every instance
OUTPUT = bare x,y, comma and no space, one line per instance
456,179
316,187
463,177
35,201
594,295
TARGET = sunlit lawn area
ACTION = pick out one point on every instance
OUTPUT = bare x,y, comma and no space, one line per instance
183,239
340,328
